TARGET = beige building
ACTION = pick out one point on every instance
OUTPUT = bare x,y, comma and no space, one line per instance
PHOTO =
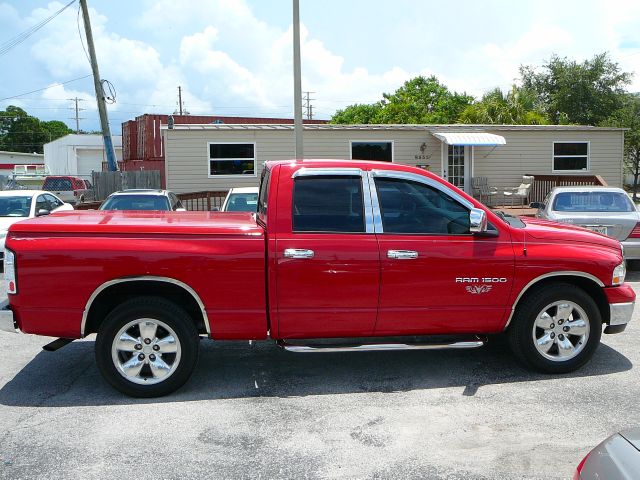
221,156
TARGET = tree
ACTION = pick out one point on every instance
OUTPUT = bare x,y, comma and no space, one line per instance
358,113
20,132
419,100
584,93
628,116
516,107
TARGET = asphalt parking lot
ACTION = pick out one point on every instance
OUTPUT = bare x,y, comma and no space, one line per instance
259,412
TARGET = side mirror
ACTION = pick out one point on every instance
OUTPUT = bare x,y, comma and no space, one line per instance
536,205
42,212
477,220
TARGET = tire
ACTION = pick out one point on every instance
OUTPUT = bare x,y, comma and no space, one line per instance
568,326
152,368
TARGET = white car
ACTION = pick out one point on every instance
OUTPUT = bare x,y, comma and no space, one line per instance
16,205
143,199
241,199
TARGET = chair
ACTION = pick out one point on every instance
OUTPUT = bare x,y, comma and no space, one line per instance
482,190
521,191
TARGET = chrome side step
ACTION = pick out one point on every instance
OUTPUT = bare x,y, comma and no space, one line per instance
377,347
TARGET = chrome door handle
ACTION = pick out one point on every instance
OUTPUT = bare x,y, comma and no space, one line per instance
298,253
402,254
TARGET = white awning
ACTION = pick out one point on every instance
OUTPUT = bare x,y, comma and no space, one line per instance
475,139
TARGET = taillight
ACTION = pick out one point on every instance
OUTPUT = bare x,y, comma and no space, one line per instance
576,474
75,193
635,233
10,271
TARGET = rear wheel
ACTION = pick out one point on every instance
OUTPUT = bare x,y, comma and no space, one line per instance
147,347
556,329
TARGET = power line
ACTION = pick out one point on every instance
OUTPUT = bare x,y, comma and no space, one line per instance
18,39
45,88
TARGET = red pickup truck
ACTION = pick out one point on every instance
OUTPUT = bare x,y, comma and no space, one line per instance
340,256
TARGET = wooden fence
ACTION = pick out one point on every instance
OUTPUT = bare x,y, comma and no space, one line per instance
543,184
105,183
203,201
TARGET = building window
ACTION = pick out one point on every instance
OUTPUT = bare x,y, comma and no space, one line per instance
232,159
380,151
570,156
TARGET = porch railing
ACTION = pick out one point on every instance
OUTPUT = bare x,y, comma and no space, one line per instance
203,201
543,184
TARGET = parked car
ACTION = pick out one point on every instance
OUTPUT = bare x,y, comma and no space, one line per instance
604,210
142,199
241,199
340,256
70,189
616,458
20,204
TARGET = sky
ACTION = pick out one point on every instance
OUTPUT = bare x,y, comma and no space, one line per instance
234,57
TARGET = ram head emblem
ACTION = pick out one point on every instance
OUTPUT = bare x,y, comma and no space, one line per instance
478,289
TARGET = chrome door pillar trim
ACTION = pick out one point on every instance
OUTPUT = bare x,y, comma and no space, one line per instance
564,273
144,278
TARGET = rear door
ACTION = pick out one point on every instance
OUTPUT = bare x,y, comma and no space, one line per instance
327,261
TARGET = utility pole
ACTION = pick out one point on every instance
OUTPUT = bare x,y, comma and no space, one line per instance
297,82
78,110
102,108
307,105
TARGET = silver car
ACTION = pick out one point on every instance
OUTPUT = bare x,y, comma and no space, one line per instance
617,458
605,210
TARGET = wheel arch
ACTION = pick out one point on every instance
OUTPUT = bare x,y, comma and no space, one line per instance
109,294
588,282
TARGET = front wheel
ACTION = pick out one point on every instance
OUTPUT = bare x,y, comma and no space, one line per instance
147,347
556,329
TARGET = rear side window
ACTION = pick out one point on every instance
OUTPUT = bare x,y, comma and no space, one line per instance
328,204
413,207
263,197
57,184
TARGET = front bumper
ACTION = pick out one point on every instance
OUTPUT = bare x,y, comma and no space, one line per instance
621,313
7,322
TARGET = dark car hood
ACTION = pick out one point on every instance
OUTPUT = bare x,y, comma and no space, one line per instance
547,231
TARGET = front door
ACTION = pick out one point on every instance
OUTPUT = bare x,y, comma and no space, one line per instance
436,276
327,263
456,166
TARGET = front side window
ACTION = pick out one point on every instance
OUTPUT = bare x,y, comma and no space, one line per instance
409,207
328,204
53,202
379,151
232,159
570,156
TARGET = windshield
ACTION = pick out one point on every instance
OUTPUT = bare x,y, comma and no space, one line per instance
592,202
15,206
136,202
242,202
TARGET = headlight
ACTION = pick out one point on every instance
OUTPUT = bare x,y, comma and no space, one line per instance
10,271
618,274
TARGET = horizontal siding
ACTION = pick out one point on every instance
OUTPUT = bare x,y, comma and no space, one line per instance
525,152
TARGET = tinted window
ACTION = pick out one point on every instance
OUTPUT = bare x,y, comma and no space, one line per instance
15,206
264,193
136,202
53,201
413,207
328,204
381,151
592,202
42,204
